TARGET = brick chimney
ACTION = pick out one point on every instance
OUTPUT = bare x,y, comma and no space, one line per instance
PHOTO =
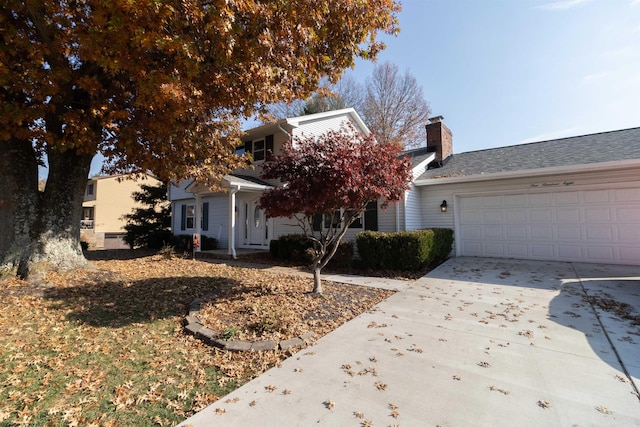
439,138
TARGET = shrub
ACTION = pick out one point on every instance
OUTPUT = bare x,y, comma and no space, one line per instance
208,243
407,250
182,242
159,238
291,247
167,251
343,256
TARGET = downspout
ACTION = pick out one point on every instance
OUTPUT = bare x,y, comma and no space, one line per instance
232,221
198,221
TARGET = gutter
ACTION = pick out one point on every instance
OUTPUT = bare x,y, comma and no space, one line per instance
528,173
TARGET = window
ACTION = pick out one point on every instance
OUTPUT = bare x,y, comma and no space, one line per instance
332,221
367,219
90,189
191,216
357,223
260,149
188,218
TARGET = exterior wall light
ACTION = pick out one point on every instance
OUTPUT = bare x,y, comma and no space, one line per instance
443,206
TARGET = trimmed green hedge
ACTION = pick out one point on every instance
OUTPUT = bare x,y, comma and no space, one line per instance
299,248
290,247
407,250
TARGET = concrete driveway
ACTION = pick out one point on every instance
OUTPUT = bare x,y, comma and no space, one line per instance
476,342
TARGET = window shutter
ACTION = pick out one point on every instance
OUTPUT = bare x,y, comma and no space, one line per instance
371,216
205,216
183,218
317,222
269,146
247,147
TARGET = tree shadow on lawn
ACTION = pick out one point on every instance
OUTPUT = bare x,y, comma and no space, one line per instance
117,254
117,303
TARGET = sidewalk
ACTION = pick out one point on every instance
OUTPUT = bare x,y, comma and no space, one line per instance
475,342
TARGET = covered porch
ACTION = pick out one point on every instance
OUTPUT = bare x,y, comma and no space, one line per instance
247,227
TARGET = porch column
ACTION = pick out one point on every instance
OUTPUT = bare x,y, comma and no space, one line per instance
232,222
198,221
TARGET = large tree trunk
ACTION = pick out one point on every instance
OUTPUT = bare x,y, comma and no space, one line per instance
41,231
57,240
19,201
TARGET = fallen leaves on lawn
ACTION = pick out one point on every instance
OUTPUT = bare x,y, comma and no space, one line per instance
276,307
106,346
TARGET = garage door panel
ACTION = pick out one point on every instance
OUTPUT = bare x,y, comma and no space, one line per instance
541,232
629,233
493,217
471,217
629,254
515,216
596,196
599,233
568,215
516,232
539,251
626,195
541,199
472,248
602,214
541,216
567,198
495,249
570,252
515,201
518,250
628,214
470,232
492,201
600,253
494,232
569,232
577,225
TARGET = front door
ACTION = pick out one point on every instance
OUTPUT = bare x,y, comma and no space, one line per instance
256,224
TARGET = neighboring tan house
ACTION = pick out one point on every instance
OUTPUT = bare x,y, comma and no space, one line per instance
571,199
106,200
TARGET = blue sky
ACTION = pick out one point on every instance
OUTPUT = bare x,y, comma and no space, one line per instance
505,72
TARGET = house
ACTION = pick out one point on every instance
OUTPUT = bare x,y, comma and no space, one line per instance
573,199
570,199
106,200
232,216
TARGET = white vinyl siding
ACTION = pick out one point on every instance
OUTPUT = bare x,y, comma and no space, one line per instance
320,126
412,209
588,217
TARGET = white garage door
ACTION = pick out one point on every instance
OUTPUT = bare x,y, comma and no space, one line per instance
588,226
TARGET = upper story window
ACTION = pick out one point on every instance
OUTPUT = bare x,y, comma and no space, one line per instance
260,148
90,189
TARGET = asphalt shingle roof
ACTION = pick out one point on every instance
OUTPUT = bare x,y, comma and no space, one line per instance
578,150
418,155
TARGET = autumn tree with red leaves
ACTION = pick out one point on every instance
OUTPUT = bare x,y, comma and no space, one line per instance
154,86
335,174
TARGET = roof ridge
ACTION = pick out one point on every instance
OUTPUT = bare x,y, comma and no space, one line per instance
552,140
